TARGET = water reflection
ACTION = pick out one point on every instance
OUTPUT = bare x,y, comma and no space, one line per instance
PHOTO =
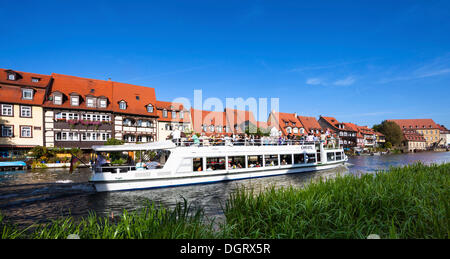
38,195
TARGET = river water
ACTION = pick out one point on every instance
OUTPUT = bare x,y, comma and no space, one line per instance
34,196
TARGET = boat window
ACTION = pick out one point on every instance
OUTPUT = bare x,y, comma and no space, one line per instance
215,163
318,156
131,160
286,159
255,161
299,158
271,160
338,156
197,164
331,156
236,162
310,158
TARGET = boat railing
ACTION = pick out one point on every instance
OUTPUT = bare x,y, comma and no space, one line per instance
255,142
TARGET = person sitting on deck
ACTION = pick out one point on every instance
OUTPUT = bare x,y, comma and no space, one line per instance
140,165
153,165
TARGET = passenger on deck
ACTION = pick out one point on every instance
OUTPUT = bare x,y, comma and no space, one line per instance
153,165
140,165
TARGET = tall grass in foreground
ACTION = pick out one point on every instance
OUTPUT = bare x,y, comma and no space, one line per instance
181,222
407,202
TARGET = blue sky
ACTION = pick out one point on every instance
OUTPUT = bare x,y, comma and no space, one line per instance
360,62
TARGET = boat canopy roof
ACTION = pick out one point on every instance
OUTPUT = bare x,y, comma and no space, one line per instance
135,147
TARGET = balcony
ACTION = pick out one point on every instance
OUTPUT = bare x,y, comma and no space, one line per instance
83,124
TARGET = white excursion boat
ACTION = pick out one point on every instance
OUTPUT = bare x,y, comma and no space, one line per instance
174,165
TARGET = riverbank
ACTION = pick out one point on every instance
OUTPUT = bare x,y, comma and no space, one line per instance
403,202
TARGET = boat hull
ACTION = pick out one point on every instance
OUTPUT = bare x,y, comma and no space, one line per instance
136,184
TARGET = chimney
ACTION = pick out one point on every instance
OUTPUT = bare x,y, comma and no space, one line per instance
109,79
295,115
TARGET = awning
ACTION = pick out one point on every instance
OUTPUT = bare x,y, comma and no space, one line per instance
134,147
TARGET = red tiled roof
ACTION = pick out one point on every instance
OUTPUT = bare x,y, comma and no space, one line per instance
172,106
292,121
201,117
70,84
416,123
412,135
350,126
136,97
13,94
331,120
310,123
11,91
24,78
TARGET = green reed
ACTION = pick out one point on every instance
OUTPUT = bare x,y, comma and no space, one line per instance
402,202
181,222
406,202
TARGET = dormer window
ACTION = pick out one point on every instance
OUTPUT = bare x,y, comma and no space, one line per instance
12,77
35,79
27,94
57,99
90,102
165,113
174,114
102,103
181,114
149,108
74,100
122,105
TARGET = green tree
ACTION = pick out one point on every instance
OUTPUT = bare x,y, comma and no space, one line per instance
392,131
388,145
113,141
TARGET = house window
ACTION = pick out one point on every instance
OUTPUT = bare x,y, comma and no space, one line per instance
205,127
127,122
57,99
7,110
7,130
181,114
103,103
211,128
90,102
35,79
295,130
123,105
25,132
25,111
150,108
174,114
75,100
106,136
27,94
165,113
